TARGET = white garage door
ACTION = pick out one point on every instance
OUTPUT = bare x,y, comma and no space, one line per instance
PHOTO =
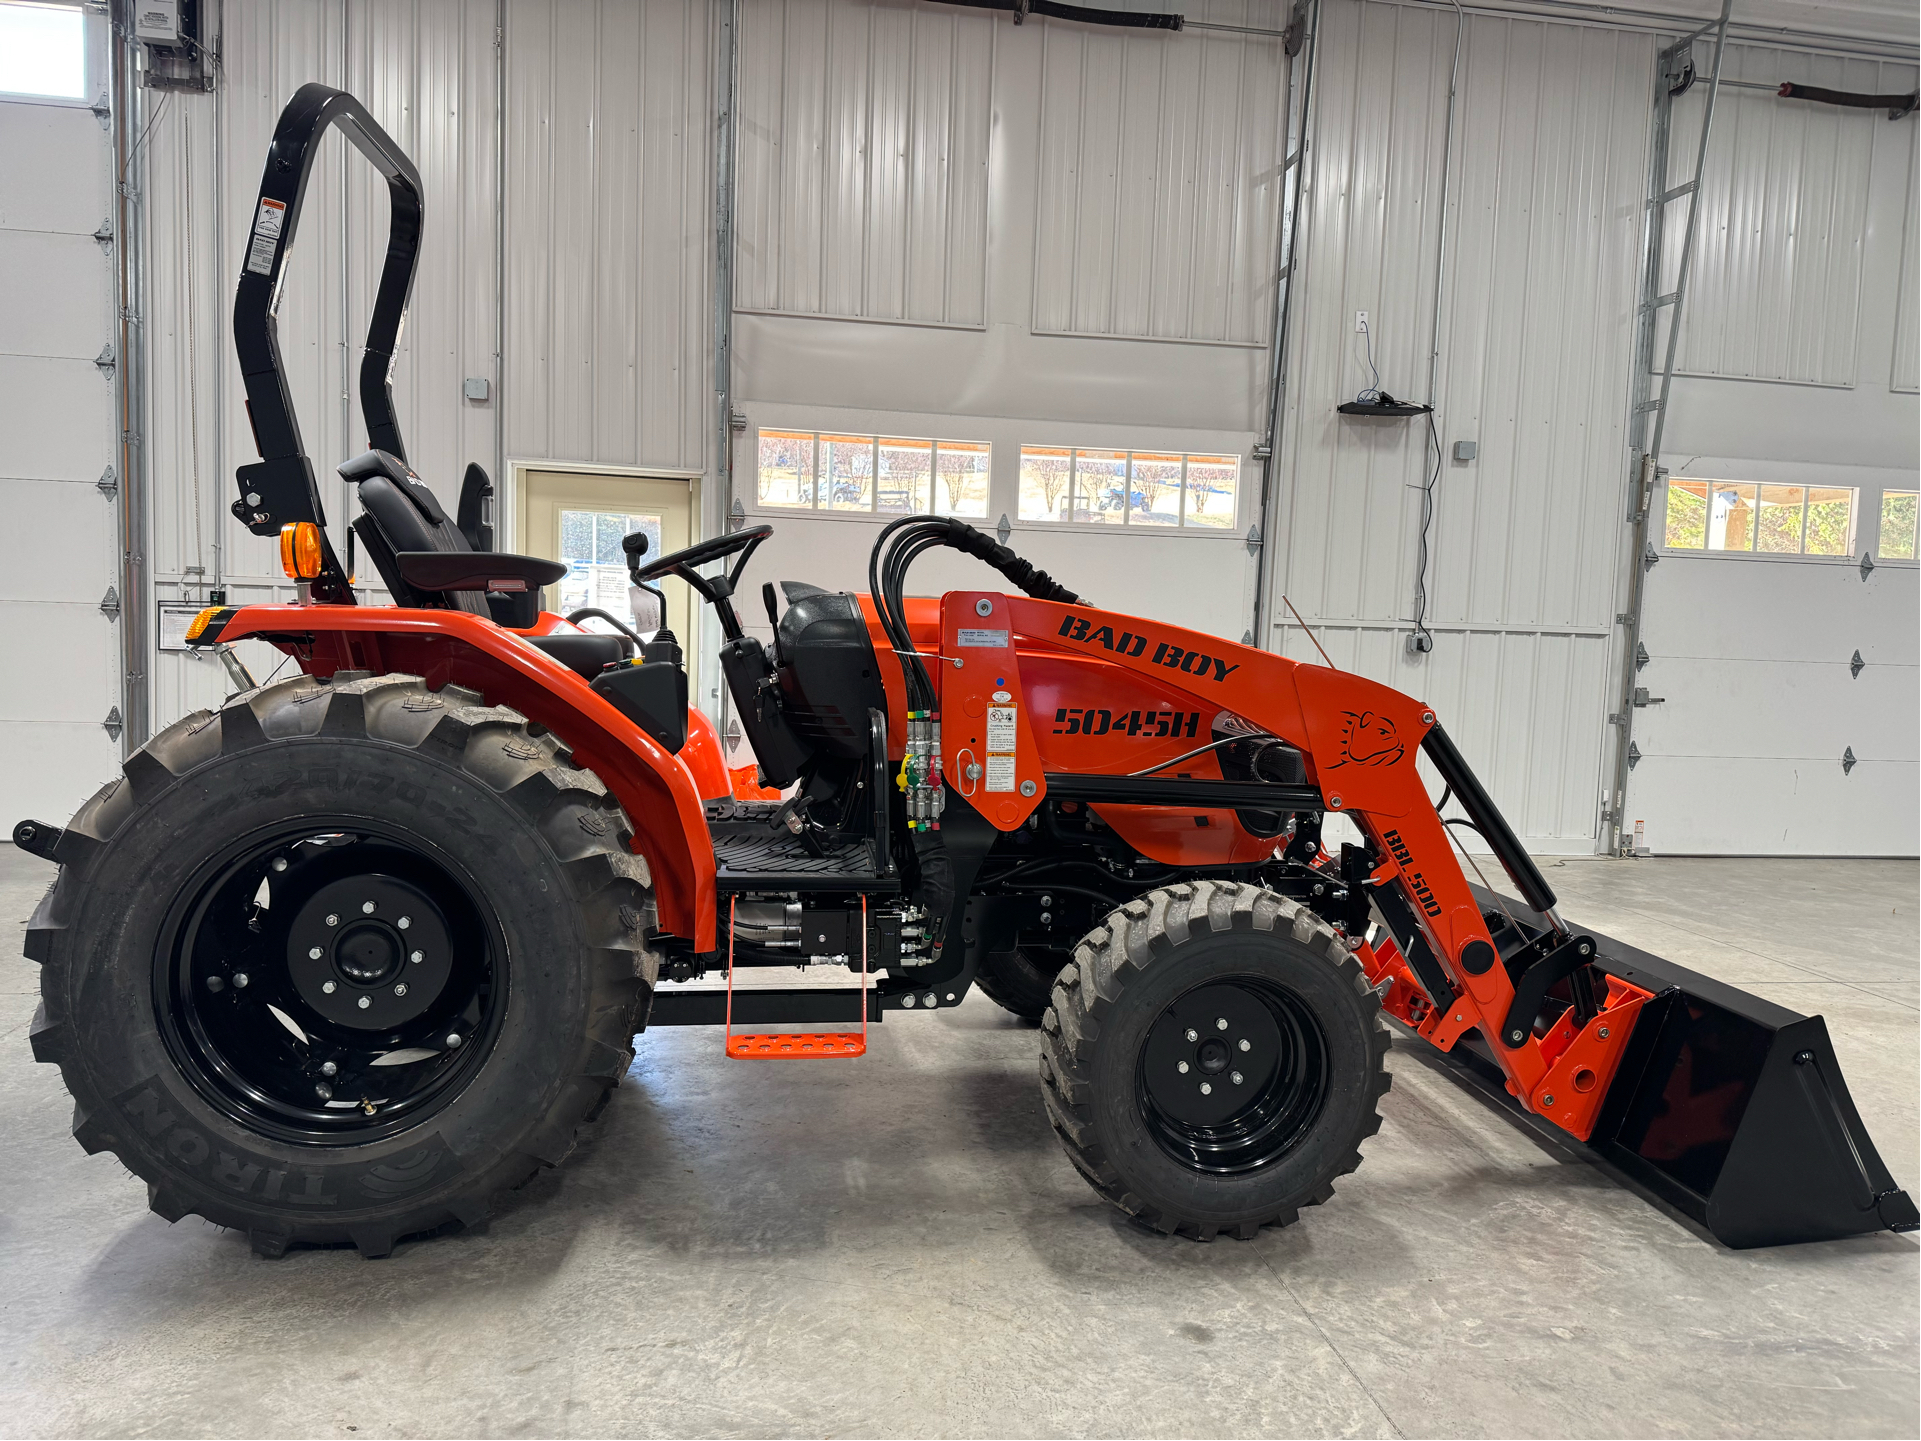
1766,738
58,543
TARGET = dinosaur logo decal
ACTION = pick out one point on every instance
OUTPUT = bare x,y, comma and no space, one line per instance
1368,739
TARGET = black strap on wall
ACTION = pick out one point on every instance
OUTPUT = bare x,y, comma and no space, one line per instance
1895,105
1086,14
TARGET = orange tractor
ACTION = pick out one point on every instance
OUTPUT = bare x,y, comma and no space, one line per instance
341,960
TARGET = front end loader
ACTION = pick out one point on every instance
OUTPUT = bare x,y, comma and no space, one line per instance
346,957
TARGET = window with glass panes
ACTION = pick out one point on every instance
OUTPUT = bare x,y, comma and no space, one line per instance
1742,516
872,474
1085,486
1897,524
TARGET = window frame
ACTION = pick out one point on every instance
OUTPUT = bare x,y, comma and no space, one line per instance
1864,522
873,512
95,65
1880,503
1127,524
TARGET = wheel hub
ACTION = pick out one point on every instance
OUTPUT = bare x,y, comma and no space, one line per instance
366,955
369,951
1231,1075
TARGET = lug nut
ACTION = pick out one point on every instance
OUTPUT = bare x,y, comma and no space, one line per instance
401,989
314,954
240,979
280,863
1181,1066
1235,1077
367,908
1047,918
216,984
327,988
453,1040
1206,1090
328,1068
365,1002
1047,900
404,922
908,1000
1220,1023
333,920
1192,1034
1246,1045
324,1091
417,957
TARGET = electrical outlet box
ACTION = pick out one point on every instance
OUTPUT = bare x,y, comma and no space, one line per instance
157,22
1466,449
1420,643
477,388
1360,321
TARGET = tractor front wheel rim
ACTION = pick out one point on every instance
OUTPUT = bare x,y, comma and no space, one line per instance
1232,1075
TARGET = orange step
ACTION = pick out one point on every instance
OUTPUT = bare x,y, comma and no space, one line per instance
797,1046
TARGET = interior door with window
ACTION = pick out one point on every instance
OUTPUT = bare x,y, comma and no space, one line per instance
580,519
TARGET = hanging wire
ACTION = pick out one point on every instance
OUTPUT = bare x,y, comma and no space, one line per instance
1431,476
152,120
1372,394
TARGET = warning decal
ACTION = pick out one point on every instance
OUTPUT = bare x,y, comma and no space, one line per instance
1000,728
1000,773
266,236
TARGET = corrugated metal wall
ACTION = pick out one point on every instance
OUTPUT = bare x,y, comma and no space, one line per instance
1544,237
863,153
609,226
1776,291
1160,167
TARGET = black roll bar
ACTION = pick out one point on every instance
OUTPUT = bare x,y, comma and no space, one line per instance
280,488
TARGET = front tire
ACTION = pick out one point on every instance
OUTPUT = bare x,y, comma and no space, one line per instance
1213,1059
1020,980
339,962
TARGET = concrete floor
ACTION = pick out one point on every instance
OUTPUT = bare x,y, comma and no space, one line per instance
897,1247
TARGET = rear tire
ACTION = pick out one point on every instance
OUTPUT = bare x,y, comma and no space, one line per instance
188,1020
1020,980
1213,1059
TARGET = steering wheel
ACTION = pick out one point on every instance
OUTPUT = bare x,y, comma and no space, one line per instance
716,590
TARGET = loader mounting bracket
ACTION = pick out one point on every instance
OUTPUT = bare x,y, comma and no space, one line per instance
1530,991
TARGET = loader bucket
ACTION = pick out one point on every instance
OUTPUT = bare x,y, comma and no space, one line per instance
1731,1109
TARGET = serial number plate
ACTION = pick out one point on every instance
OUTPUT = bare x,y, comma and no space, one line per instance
984,639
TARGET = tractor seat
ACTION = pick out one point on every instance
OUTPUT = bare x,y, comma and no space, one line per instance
428,562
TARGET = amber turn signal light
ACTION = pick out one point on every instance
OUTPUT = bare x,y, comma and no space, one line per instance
300,550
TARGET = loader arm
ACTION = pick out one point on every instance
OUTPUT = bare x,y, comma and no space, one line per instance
1005,750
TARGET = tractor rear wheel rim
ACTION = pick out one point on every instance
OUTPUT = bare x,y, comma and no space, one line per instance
331,982
1232,1075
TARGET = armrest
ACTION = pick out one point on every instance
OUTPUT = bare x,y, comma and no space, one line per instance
440,570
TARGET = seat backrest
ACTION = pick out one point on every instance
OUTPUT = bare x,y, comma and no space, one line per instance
399,514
